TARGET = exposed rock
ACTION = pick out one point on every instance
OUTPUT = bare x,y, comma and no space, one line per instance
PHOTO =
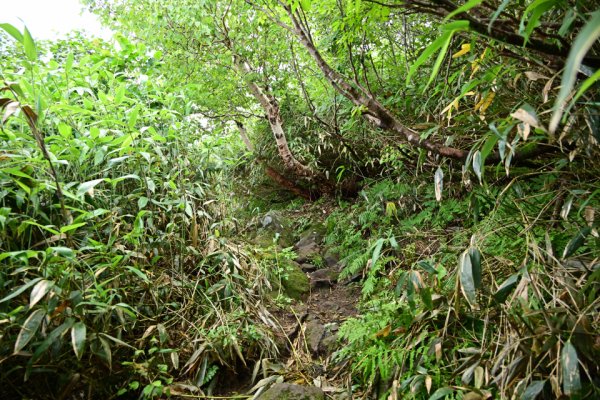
308,247
288,391
325,277
296,284
329,344
271,225
331,258
309,237
308,267
307,252
314,333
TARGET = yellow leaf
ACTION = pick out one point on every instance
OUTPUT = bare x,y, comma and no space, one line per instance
464,49
385,332
485,102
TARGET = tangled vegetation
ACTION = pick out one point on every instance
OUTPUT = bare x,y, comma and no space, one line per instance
452,146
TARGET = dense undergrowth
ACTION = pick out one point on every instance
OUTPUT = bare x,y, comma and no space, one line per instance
116,276
129,205
483,290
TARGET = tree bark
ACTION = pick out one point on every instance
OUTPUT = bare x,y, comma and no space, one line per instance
271,108
374,112
272,173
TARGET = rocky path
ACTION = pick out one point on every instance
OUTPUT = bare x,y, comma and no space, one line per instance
309,327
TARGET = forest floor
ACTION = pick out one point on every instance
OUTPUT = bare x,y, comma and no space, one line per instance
307,326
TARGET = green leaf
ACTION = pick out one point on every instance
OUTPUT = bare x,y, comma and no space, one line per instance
497,14
475,256
86,187
12,31
106,350
533,390
17,172
21,289
39,291
465,7
377,252
71,227
51,339
29,329
583,42
487,147
428,52
61,251
467,278
29,45
570,370
142,201
138,273
537,9
478,165
78,337
440,58
507,286
427,266
441,393
576,242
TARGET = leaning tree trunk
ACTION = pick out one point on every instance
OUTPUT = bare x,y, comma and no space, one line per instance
272,173
375,112
383,118
271,109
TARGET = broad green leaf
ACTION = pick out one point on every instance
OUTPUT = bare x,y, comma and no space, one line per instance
478,165
465,7
29,45
570,369
133,117
377,252
17,172
78,338
487,147
61,251
441,393
475,256
467,280
51,339
584,41
142,201
106,350
533,390
428,52
507,286
576,242
87,187
21,289
537,9
12,31
427,266
39,291
71,227
29,329
138,273
440,58
497,14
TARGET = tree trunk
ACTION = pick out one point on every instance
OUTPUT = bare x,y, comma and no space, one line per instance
374,112
272,173
271,108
